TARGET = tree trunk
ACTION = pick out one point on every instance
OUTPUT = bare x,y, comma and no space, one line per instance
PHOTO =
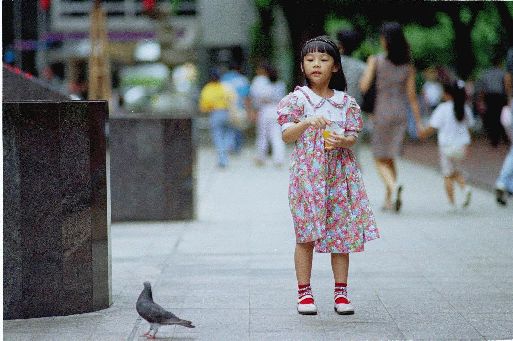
507,23
264,44
465,58
305,20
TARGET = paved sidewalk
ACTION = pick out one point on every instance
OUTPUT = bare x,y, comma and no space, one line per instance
434,274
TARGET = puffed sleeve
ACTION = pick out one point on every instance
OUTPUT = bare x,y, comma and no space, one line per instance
290,109
354,122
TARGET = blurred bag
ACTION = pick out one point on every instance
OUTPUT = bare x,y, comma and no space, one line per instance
369,97
238,118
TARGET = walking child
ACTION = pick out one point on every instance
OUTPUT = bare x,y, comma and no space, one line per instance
452,120
266,96
327,197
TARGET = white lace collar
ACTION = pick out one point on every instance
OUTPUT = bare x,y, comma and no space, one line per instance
338,100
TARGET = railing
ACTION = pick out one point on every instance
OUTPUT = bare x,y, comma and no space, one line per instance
125,15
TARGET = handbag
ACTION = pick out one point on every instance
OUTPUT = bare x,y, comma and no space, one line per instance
238,118
369,97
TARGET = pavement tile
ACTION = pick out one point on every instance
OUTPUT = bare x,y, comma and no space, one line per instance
288,336
275,320
363,331
492,326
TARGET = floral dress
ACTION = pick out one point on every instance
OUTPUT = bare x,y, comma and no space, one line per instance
327,197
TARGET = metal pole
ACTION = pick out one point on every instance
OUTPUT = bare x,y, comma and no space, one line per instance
41,45
17,23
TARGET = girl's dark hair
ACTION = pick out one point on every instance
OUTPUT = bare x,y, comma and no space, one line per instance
324,44
457,91
397,47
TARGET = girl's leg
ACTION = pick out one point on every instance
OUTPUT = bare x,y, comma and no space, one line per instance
340,266
460,180
449,188
303,257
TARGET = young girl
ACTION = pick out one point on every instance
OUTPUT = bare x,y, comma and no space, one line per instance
452,119
327,198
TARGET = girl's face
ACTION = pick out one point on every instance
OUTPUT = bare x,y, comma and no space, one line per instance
318,67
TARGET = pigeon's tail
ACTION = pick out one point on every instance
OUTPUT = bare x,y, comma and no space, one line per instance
186,323
179,322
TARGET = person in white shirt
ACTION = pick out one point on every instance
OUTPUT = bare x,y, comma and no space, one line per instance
265,94
452,120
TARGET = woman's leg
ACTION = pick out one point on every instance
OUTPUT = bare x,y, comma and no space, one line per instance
303,257
340,266
387,171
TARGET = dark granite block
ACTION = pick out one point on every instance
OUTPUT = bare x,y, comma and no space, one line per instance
101,265
152,168
55,209
40,197
13,259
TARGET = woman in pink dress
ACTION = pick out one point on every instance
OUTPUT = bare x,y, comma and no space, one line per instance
395,94
328,202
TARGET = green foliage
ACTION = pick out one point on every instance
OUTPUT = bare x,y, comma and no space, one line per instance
263,3
334,24
431,45
486,36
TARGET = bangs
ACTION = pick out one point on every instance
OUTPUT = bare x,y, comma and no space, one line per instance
319,46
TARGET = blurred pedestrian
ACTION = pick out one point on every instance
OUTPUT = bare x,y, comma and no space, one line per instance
504,183
493,88
452,120
260,80
432,90
240,86
327,197
216,99
348,42
394,75
266,95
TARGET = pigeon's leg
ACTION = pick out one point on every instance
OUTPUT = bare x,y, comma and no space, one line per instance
149,331
156,329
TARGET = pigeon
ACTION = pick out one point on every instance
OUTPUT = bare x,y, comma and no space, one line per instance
155,314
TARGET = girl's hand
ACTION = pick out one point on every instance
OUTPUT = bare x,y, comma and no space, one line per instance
318,122
339,141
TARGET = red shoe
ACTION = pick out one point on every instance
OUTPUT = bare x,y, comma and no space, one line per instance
343,306
306,305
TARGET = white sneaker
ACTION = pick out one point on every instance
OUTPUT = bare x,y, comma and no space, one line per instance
467,196
306,308
344,307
